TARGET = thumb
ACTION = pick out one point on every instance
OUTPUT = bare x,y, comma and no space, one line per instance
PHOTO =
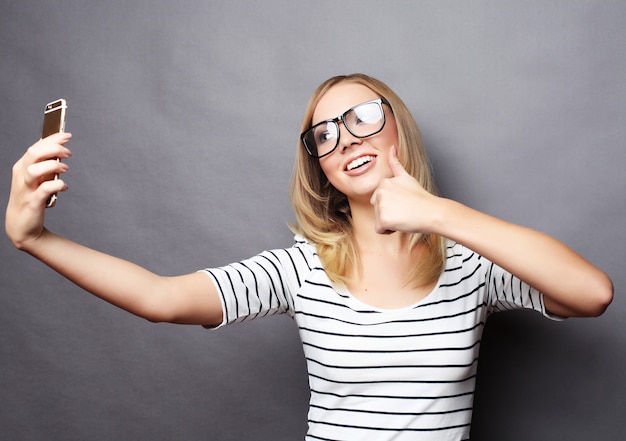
394,162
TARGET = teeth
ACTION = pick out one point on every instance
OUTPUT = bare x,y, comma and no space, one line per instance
359,162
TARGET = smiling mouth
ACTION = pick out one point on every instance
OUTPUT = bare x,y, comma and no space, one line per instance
359,162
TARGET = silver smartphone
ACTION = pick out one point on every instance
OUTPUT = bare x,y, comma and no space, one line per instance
53,122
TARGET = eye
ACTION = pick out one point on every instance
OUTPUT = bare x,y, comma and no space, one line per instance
366,114
322,137
325,132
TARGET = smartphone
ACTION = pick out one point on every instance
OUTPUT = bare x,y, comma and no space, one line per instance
53,122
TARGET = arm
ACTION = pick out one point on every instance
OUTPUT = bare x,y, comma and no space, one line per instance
190,299
571,286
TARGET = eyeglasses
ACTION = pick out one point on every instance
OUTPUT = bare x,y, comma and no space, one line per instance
361,121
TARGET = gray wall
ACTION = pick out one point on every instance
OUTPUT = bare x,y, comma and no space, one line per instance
185,116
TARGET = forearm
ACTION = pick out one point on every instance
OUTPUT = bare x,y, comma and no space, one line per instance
115,280
571,285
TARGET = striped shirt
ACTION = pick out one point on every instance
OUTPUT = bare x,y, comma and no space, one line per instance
401,374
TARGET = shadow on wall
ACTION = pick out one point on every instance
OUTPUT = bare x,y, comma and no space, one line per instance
533,369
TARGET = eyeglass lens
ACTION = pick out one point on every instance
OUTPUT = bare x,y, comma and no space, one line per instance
361,121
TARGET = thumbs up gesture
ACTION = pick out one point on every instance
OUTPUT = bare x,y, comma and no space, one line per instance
401,203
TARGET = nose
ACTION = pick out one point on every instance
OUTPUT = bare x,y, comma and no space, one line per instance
347,139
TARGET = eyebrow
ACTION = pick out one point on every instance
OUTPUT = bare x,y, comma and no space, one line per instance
338,117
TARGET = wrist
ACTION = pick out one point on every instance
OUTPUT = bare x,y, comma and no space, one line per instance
452,219
32,244
441,214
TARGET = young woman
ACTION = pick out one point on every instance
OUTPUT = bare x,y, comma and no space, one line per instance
390,285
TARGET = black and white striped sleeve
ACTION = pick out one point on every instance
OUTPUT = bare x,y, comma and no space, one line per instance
259,286
507,292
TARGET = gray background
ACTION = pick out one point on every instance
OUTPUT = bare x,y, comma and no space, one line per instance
185,118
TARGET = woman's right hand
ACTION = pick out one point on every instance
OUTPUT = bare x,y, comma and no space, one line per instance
30,191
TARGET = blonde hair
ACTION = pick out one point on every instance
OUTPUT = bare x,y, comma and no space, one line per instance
322,212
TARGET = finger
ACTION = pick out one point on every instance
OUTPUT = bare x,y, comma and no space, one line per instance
53,186
379,226
52,146
394,162
374,199
59,137
43,171
48,188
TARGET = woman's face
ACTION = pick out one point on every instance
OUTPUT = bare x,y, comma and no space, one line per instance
357,165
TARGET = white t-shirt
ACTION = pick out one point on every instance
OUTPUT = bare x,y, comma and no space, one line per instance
401,374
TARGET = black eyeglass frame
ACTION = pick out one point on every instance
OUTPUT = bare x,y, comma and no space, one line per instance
379,101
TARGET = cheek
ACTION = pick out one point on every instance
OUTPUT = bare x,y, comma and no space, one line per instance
390,131
328,166
329,170
392,135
